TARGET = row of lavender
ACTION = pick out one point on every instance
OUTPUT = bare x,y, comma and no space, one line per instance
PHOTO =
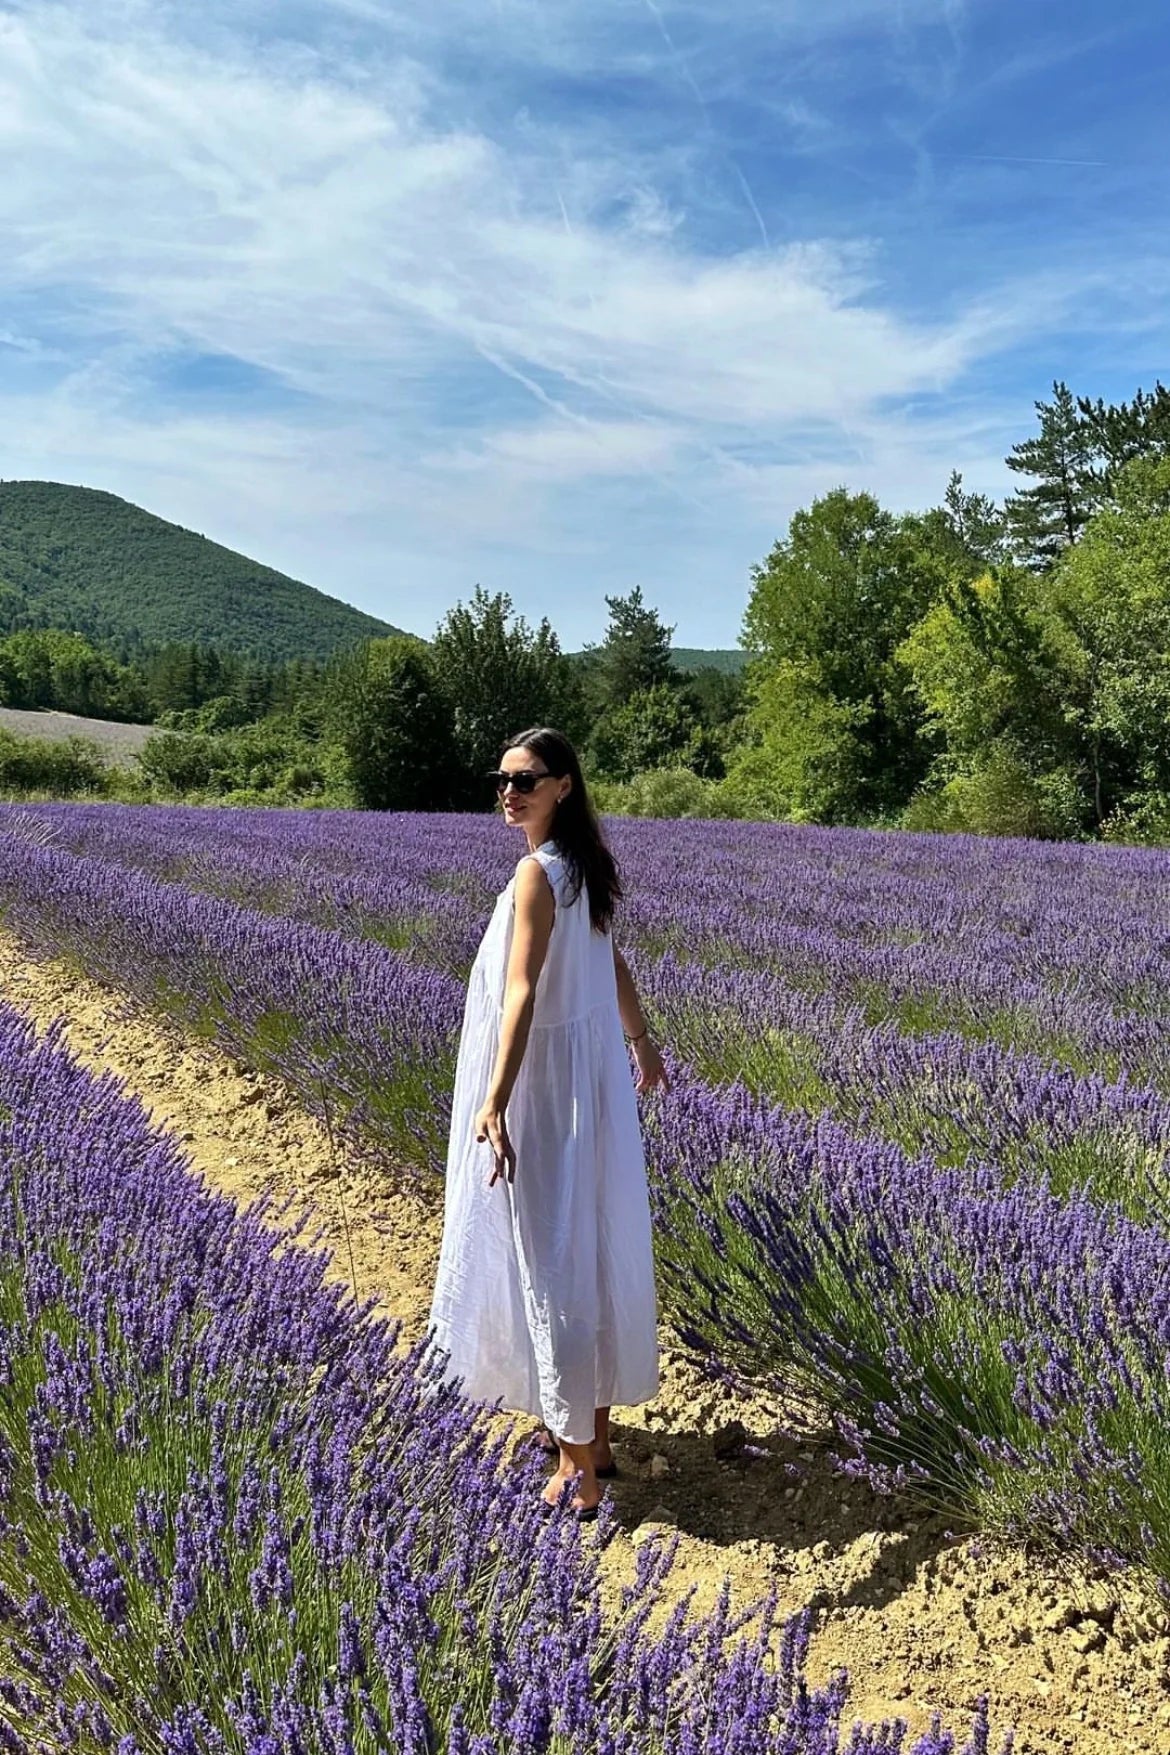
999,1347
956,1096
1080,920
1063,950
234,1518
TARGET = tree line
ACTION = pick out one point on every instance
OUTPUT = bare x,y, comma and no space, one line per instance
51,669
405,724
999,668
395,723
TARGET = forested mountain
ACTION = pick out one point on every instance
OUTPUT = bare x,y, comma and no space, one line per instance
729,659
79,559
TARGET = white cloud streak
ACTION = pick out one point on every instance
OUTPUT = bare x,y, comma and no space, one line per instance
329,235
463,362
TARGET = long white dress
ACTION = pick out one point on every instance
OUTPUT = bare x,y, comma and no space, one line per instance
544,1298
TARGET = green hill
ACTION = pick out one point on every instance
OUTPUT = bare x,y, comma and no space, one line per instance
72,557
726,658
730,659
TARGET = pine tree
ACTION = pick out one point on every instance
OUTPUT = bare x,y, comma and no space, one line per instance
635,654
975,523
1124,430
1048,517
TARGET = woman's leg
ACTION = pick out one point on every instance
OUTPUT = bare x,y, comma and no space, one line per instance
602,1451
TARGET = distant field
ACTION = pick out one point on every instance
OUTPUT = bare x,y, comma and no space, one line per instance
119,744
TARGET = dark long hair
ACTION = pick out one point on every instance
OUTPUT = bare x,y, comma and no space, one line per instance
575,827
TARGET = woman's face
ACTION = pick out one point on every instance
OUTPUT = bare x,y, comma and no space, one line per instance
535,810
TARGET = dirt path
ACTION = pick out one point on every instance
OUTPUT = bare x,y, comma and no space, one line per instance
921,1622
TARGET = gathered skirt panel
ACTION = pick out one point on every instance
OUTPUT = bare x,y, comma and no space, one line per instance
544,1299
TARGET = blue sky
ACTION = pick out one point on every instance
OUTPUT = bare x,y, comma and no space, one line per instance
569,296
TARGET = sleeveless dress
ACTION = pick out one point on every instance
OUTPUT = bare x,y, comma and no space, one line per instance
544,1298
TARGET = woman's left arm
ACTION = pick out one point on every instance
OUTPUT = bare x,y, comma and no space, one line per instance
531,931
647,1058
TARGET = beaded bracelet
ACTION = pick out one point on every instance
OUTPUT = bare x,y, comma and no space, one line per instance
632,1039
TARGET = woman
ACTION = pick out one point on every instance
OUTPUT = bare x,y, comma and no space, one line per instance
544,1299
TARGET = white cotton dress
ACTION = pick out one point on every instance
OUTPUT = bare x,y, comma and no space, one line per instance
544,1299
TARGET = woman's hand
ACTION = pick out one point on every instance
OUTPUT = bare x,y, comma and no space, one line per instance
651,1071
490,1125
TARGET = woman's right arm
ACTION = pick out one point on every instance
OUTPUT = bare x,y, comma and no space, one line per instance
651,1071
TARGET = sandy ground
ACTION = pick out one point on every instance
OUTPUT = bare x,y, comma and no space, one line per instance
922,1621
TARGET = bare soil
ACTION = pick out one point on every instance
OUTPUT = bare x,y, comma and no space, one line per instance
923,1621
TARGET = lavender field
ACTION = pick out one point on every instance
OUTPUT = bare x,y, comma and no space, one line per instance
235,1517
910,1184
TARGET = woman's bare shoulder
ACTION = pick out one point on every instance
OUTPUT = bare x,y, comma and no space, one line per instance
531,877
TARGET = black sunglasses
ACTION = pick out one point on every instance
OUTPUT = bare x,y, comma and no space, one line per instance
524,780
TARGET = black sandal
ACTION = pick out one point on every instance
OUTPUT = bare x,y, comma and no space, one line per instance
582,1513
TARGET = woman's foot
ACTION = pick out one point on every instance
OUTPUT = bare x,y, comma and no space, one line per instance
585,1500
604,1466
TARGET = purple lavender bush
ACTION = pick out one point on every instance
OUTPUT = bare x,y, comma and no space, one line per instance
934,932
1001,1351
423,893
234,1517
299,1003
957,1099
362,1036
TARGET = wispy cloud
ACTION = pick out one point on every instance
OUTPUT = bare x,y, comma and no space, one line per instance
477,319
1007,158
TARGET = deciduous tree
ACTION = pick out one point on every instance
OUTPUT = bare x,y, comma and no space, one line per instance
654,728
498,676
826,613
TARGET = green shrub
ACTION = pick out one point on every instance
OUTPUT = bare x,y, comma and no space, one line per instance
128,786
1001,796
1143,822
59,768
662,792
221,713
179,761
264,763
